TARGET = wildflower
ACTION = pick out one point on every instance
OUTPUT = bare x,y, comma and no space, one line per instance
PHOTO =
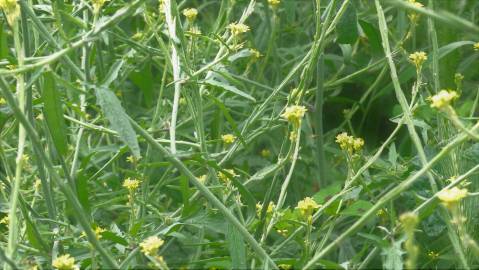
451,196
269,210
3,101
224,177
418,58
99,231
132,159
255,53
283,232
64,262
413,16
97,5
11,9
39,117
307,206
37,184
265,153
409,221
190,14
150,245
358,143
228,138
417,4
284,266
131,184
274,3
476,46
5,220
238,28
202,178
443,98
349,143
294,113
433,255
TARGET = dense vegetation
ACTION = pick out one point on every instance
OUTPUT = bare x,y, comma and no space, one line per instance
232,134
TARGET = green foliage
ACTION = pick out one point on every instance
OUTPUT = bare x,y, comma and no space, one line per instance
96,93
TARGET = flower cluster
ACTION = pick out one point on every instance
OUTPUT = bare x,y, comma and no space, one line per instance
190,14
150,245
409,221
418,58
443,98
224,177
476,46
307,206
451,196
11,9
228,138
294,113
349,143
238,28
269,210
131,184
413,16
97,5
202,178
64,262
274,3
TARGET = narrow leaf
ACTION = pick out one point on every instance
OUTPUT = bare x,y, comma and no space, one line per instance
52,110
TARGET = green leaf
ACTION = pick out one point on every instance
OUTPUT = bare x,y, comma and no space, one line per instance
52,110
236,247
118,119
358,208
143,79
229,88
107,235
374,39
347,28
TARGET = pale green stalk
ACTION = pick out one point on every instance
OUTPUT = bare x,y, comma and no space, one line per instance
15,223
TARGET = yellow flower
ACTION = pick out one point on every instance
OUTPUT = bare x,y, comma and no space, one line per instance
418,58
132,159
349,143
202,178
443,98
98,232
476,46
11,9
150,245
274,3
433,255
97,5
307,206
37,184
238,28
5,220
409,221
284,266
228,138
64,262
131,184
417,4
255,53
190,14
265,153
269,210
222,176
294,113
3,101
451,196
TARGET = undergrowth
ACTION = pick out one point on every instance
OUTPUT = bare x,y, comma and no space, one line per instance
234,134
